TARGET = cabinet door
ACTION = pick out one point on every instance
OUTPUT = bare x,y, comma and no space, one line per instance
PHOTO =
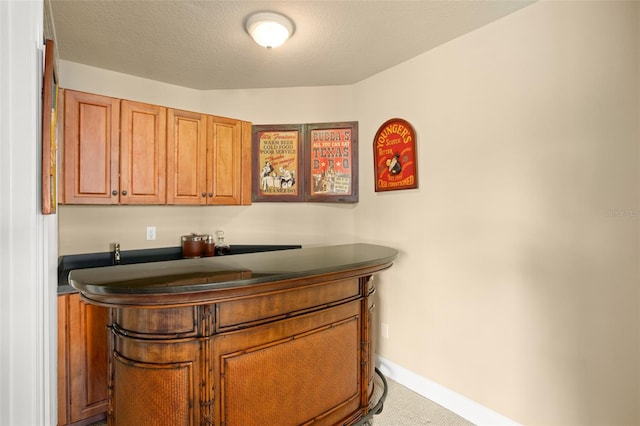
143,148
83,375
186,157
224,154
91,147
246,174
63,360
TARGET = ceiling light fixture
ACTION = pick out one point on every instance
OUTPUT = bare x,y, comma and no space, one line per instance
269,29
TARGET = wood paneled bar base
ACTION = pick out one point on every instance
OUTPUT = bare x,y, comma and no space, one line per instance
278,338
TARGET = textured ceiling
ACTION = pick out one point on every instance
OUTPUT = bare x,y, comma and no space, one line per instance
202,44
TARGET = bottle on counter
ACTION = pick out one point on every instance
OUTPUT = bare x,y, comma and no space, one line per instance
221,247
209,246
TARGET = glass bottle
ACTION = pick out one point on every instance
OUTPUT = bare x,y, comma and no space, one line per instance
222,247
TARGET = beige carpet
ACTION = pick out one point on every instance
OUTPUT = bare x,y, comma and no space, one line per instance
404,407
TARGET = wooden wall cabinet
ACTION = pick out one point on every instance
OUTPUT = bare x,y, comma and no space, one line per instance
82,361
208,160
91,148
224,167
124,152
186,157
143,153
114,151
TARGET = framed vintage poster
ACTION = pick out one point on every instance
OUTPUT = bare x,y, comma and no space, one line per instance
277,154
49,131
332,162
394,156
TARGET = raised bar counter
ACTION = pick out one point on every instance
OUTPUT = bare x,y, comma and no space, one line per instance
275,338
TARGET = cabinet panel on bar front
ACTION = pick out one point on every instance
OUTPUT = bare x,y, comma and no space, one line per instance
285,302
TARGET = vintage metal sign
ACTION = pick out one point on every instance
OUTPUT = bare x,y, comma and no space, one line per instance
333,162
394,154
277,157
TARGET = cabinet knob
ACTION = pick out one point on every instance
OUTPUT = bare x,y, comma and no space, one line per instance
204,194
114,192
124,192
211,194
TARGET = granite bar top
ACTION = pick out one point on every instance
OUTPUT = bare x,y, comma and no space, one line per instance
213,273
68,263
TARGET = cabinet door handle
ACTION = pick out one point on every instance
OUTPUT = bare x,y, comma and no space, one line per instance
124,192
211,194
204,194
114,192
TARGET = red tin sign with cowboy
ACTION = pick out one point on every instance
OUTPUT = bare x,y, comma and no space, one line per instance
394,153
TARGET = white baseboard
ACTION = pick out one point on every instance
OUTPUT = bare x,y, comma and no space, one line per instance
464,407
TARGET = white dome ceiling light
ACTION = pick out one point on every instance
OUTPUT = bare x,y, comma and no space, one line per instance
269,29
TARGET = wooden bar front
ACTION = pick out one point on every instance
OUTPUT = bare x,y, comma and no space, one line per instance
294,349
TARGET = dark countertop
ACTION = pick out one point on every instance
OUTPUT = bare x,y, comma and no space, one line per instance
213,273
71,262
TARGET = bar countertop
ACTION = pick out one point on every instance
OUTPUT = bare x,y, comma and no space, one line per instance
68,263
188,276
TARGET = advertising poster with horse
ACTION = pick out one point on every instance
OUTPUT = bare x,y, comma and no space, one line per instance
278,152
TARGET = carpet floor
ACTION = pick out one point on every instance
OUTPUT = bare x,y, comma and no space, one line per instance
403,407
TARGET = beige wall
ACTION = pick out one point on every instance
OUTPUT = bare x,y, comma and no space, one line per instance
517,282
517,285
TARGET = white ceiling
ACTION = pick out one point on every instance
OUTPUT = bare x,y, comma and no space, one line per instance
202,44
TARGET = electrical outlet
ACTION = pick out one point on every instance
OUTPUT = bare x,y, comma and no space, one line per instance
384,330
151,233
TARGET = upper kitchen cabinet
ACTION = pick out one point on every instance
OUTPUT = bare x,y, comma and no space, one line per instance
228,161
91,148
143,153
124,152
186,157
114,151
208,159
